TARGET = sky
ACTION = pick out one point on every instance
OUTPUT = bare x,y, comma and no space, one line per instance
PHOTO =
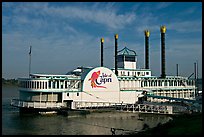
65,35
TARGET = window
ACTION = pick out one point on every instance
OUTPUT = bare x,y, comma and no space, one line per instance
160,83
67,94
152,83
145,83
61,82
49,84
65,84
155,83
170,83
40,84
175,83
57,84
130,58
53,84
120,58
37,84
45,85
77,93
147,73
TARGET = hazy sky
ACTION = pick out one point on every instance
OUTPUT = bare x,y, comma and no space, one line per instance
65,35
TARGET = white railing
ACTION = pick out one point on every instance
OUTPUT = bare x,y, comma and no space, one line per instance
158,87
141,108
146,108
90,105
36,104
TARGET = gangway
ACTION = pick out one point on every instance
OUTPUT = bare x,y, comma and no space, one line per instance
126,107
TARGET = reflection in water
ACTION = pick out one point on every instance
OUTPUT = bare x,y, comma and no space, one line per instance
90,124
123,122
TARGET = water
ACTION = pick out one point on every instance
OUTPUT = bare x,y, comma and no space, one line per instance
92,124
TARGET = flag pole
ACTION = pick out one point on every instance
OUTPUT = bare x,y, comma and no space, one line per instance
29,61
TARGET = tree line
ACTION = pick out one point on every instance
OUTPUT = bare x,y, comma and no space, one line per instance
9,81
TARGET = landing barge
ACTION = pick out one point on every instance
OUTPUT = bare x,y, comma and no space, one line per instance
102,86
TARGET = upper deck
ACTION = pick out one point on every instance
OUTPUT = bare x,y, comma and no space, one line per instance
128,81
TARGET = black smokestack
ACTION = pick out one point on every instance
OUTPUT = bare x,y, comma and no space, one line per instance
102,40
116,53
163,31
147,33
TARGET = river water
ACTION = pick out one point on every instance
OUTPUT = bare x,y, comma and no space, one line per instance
91,124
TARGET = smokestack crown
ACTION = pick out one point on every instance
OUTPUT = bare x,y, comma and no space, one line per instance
163,29
147,33
102,40
116,36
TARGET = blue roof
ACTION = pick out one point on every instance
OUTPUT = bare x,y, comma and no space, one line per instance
127,52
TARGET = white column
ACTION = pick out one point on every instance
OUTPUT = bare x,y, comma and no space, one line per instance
177,92
51,84
52,99
182,94
42,84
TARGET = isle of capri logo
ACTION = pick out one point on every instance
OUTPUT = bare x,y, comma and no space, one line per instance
98,81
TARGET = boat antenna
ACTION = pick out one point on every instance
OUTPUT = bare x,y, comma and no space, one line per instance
177,70
197,68
30,61
102,41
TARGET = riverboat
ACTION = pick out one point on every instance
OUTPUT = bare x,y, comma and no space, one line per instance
102,86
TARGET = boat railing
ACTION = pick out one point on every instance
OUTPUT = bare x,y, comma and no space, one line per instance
36,104
90,105
158,87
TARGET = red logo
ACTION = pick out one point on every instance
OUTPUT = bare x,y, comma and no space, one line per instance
93,79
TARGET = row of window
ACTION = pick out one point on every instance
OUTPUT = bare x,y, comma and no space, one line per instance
123,73
122,58
150,83
166,83
33,84
58,84
178,95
